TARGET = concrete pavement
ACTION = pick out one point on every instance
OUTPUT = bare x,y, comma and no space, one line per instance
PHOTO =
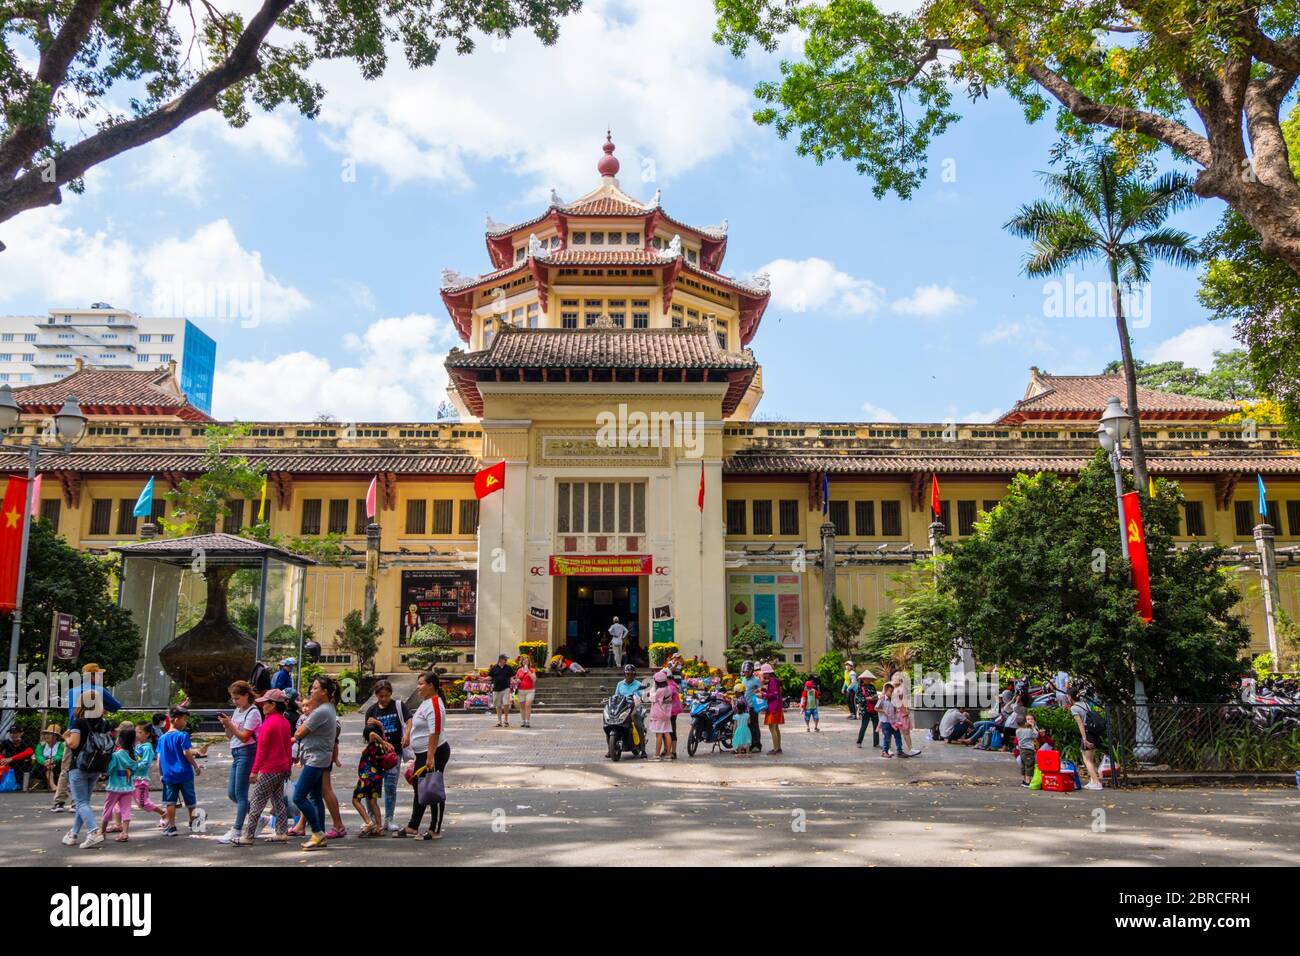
547,796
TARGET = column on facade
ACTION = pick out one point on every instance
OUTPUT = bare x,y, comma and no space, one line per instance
503,523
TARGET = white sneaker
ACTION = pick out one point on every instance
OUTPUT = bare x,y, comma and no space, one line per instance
69,839
93,839
230,836
391,827
199,822
1093,786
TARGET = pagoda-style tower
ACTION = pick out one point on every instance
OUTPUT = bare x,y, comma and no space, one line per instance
605,351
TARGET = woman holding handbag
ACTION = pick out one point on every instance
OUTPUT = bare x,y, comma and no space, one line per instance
427,738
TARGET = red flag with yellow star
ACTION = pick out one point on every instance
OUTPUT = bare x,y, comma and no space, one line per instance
1137,554
11,541
489,480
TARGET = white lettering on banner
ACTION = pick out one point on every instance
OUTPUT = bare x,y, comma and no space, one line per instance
89,910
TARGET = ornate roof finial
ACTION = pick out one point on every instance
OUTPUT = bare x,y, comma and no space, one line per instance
608,165
535,250
556,201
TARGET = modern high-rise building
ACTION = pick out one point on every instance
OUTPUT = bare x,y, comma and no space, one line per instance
39,349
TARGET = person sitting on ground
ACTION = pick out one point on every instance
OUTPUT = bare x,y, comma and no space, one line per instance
574,667
955,725
16,756
49,758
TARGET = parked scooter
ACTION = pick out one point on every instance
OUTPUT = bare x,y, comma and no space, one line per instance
712,722
624,727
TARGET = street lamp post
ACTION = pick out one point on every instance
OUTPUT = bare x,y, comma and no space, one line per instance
1112,431
68,426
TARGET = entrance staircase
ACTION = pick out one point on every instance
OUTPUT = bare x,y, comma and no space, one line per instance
577,693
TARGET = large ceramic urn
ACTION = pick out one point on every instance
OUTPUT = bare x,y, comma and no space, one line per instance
211,655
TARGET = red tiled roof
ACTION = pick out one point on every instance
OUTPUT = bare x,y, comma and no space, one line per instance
469,282
211,546
795,461
115,391
605,206
183,462
603,348
1071,394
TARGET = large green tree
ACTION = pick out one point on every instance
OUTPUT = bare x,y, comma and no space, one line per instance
61,579
1260,294
1228,380
1042,585
1205,79
67,65
1101,211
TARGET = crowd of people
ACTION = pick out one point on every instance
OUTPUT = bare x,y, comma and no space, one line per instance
270,733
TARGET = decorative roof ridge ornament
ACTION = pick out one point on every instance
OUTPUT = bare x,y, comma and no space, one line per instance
608,164
718,230
654,202
535,248
491,225
673,250
556,201
761,281
451,278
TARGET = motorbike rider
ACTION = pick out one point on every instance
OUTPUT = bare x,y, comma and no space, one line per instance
629,686
752,683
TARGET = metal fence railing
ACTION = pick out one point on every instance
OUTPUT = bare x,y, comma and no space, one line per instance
1231,737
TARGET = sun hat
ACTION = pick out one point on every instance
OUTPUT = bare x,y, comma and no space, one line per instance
274,694
53,729
91,668
867,675
765,669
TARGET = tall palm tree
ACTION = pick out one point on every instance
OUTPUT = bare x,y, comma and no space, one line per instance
1100,210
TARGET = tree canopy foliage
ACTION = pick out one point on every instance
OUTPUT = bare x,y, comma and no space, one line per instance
65,65
1042,585
1205,79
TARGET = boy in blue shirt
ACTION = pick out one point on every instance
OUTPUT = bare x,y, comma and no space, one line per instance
178,768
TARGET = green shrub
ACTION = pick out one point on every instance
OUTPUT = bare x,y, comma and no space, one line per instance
752,643
830,671
1060,724
791,680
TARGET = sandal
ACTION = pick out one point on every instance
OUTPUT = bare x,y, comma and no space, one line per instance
334,833
122,838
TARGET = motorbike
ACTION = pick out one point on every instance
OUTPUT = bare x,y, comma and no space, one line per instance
712,722
624,728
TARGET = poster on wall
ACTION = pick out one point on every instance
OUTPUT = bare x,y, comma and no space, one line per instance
773,601
446,596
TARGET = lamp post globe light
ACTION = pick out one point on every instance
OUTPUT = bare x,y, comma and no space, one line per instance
67,426
1111,432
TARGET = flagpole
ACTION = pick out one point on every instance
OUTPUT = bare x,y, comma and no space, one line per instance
16,632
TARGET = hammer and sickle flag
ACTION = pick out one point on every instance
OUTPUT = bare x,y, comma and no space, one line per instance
1137,555
489,480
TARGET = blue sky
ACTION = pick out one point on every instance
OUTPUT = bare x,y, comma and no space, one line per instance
332,233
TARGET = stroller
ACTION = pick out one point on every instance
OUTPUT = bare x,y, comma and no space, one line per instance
713,722
624,729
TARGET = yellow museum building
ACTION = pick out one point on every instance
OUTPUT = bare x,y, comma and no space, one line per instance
607,363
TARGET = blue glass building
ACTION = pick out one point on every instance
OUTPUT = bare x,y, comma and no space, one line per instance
198,366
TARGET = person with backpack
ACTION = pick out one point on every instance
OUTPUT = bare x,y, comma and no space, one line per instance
1092,734
396,722
90,741
90,681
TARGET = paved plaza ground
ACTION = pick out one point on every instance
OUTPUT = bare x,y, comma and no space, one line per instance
547,796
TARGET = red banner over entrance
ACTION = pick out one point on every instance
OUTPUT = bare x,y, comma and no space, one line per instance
569,565
1137,554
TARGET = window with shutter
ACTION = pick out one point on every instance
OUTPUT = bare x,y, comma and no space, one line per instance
762,517
839,515
52,507
864,514
101,514
338,523
891,518
310,516
125,518
1244,513
362,521
966,511
469,516
416,520
790,516
735,516
442,509
1194,518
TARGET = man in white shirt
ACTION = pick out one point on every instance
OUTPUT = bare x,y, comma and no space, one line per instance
617,632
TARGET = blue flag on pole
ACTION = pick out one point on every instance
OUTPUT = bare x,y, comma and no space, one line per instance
144,504
1263,501
826,493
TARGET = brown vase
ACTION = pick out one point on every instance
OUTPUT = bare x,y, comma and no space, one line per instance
213,654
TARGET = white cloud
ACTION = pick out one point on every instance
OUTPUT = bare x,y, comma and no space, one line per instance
1029,334
208,275
980,417
1196,346
542,111
394,373
875,413
814,285
930,301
